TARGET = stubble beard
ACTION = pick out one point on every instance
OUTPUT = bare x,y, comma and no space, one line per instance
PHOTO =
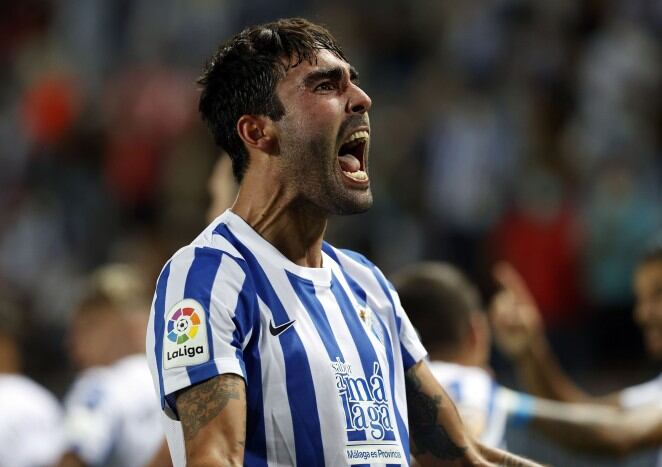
310,166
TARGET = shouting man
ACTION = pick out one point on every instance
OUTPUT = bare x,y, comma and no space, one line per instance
268,345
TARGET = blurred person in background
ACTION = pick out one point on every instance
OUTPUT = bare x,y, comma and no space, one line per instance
520,335
112,414
445,308
30,416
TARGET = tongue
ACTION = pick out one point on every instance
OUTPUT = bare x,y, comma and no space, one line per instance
349,163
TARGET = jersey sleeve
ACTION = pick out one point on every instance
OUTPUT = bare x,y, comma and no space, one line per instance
412,348
91,420
202,318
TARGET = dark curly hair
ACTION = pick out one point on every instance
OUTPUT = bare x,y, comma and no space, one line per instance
242,75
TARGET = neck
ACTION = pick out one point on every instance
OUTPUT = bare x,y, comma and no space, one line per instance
293,227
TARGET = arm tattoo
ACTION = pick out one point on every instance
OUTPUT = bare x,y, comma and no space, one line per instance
428,435
199,404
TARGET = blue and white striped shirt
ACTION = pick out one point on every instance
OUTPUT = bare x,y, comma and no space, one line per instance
323,351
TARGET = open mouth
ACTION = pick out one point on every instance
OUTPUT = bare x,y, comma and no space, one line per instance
351,156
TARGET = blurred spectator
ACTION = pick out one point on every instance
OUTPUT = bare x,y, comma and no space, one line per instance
31,427
112,413
445,308
540,237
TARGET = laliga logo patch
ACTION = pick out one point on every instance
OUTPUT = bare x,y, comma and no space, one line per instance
185,341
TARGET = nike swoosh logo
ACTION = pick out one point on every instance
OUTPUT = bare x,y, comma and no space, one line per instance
278,330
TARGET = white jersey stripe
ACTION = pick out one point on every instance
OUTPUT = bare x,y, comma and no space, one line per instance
222,324
300,386
278,422
177,377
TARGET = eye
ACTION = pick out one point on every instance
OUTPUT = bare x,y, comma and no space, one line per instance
326,86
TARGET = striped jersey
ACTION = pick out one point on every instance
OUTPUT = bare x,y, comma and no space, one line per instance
323,351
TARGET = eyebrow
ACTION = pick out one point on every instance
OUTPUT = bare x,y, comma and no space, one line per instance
332,74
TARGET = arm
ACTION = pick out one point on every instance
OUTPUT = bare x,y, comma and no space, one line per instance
519,334
213,416
438,437
598,429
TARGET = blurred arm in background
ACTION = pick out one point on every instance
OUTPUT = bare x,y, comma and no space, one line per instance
520,335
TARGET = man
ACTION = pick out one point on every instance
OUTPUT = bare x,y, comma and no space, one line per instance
445,307
520,335
267,345
111,415
31,426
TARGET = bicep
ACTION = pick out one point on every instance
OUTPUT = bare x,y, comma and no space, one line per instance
213,417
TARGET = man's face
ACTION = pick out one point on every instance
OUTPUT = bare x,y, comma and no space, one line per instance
324,135
648,311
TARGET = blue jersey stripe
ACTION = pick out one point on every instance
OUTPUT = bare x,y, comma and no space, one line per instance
159,326
361,340
357,291
255,454
407,360
298,376
453,389
305,290
198,286
402,428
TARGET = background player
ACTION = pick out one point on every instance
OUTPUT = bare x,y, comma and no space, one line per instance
445,308
31,426
112,417
520,335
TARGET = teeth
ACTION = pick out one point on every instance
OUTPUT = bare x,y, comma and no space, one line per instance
359,175
357,135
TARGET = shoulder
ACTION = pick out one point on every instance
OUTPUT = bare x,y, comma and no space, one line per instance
345,256
204,260
355,265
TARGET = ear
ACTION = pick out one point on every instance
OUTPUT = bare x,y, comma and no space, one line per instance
258,133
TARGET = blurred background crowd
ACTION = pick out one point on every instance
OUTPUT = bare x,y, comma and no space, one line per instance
520,130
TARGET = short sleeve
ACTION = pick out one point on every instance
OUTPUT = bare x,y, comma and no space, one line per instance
202,318
411,346
90,418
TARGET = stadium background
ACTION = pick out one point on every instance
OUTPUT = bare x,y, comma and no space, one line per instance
526,130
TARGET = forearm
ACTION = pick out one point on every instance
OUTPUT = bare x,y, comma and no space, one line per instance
599,429
502,458
541,374
435,426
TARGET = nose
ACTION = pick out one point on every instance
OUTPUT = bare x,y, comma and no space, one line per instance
359,102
